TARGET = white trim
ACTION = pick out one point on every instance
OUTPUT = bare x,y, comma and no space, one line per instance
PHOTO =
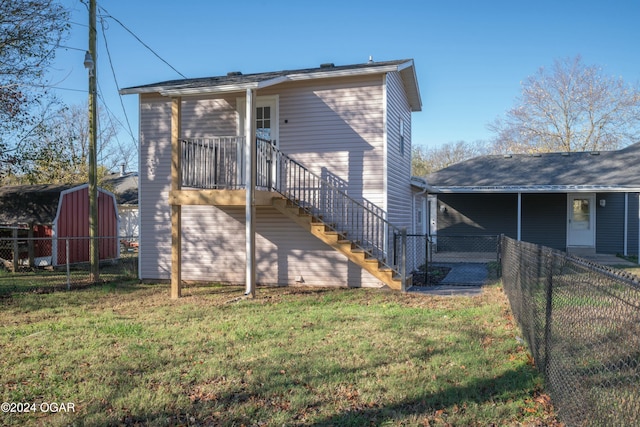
140,193
385,162
385,144
519,221
200,90
536,189
260,102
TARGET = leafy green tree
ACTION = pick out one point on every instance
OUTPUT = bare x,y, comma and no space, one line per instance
30,31
57,150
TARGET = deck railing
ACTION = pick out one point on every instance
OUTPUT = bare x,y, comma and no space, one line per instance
218,164
213,163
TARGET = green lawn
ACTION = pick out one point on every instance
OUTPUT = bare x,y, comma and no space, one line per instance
128,355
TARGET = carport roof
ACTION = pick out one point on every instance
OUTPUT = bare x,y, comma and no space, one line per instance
614,171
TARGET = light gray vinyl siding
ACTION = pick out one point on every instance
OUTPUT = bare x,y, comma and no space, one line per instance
154,183
213,246
336,130
207,117
213,243
544,219
398,170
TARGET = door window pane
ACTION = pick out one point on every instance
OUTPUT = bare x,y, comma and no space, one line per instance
580,216
263,122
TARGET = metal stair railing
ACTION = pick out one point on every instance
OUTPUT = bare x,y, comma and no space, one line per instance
365,227
217,163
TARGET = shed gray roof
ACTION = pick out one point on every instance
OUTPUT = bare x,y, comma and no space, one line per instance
549,172
30,204
237,81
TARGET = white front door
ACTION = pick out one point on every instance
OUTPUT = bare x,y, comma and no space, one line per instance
581,229
266,121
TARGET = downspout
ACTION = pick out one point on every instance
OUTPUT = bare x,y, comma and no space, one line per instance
413,222
250,187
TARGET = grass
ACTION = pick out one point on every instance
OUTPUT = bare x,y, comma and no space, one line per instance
39,280
128,355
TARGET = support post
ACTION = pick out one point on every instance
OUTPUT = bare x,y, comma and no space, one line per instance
403,259
176,210
31,244
250,186
519,221
16,249
93,148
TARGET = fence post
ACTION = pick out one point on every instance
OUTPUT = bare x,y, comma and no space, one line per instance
427,249
16,249
549,305
67,262
403,258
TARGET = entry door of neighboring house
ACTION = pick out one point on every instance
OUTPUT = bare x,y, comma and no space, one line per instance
581,229
266,118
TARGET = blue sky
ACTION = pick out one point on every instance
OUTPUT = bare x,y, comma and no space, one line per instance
470,56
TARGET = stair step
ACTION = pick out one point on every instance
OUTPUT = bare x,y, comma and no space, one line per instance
327,232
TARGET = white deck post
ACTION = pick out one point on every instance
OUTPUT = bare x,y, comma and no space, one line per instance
250,186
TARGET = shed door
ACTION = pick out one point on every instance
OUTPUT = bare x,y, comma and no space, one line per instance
581,230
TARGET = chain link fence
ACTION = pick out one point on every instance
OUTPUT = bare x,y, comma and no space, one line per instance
452,260
43,265
582,323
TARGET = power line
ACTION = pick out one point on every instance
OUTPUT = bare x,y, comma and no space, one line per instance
115,79
139,40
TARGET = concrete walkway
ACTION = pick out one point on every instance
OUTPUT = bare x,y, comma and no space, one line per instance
463,279
608,259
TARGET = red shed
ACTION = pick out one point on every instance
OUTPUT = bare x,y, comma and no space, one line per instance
59,213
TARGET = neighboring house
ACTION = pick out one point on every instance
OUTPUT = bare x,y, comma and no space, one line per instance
125,188
583,202
317,135
46,217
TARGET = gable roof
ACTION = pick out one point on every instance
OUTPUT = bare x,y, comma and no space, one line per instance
30,204
234,82
125,187
548,172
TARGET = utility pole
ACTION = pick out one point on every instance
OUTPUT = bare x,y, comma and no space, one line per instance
93,143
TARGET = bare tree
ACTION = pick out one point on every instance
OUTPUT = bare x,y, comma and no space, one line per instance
427,160
30,31
570,107
57,150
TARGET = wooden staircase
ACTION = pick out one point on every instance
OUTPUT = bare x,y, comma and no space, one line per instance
339,241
